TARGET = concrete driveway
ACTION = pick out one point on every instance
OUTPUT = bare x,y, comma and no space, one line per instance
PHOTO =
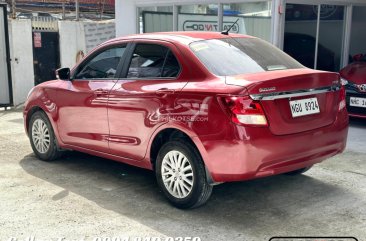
81,197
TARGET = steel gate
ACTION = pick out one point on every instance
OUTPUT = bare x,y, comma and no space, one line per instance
6,93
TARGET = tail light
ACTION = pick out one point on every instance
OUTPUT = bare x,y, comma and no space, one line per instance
244,110
342,98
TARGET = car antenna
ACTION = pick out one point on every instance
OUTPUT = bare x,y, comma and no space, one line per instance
226,32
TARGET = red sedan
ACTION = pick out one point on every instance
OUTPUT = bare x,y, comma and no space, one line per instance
197,108
354,78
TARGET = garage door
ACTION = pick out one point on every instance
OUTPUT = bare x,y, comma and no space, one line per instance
5,95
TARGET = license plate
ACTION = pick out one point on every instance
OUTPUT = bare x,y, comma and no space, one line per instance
304,107
357,102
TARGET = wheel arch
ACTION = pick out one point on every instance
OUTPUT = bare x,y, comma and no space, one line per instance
33,110
29,114
170,133
164,136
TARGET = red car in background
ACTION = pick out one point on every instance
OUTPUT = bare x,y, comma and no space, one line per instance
354,78
197,108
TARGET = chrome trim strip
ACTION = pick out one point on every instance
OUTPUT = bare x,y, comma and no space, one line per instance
297,93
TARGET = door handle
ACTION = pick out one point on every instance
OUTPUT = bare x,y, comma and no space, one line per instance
101,92
164,91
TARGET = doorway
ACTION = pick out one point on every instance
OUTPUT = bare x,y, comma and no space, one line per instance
46,55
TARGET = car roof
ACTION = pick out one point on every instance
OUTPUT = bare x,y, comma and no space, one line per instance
185,37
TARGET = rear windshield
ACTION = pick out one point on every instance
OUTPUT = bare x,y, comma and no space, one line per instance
233,56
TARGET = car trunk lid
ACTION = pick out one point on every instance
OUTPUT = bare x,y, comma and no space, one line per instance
283,93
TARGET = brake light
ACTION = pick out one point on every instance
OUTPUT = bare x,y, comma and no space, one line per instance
342,98
244,110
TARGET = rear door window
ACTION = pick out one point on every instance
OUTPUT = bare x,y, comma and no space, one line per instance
153,61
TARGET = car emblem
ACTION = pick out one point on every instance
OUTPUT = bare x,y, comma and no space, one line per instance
267,89
362,88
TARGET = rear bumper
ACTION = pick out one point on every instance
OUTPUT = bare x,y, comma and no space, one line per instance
255,152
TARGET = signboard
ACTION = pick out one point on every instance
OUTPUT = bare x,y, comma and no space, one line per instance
202,22
37,40
5,80
162,22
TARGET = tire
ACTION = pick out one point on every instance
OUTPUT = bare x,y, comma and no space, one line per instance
42,137
298,171
186,186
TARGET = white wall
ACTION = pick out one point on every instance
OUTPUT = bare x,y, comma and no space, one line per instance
98,32
21,52
82,36
126,15
72,40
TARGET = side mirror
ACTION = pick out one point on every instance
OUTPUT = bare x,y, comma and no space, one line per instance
63,74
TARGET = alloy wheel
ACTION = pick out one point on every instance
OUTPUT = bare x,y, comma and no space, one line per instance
177,174
41,136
